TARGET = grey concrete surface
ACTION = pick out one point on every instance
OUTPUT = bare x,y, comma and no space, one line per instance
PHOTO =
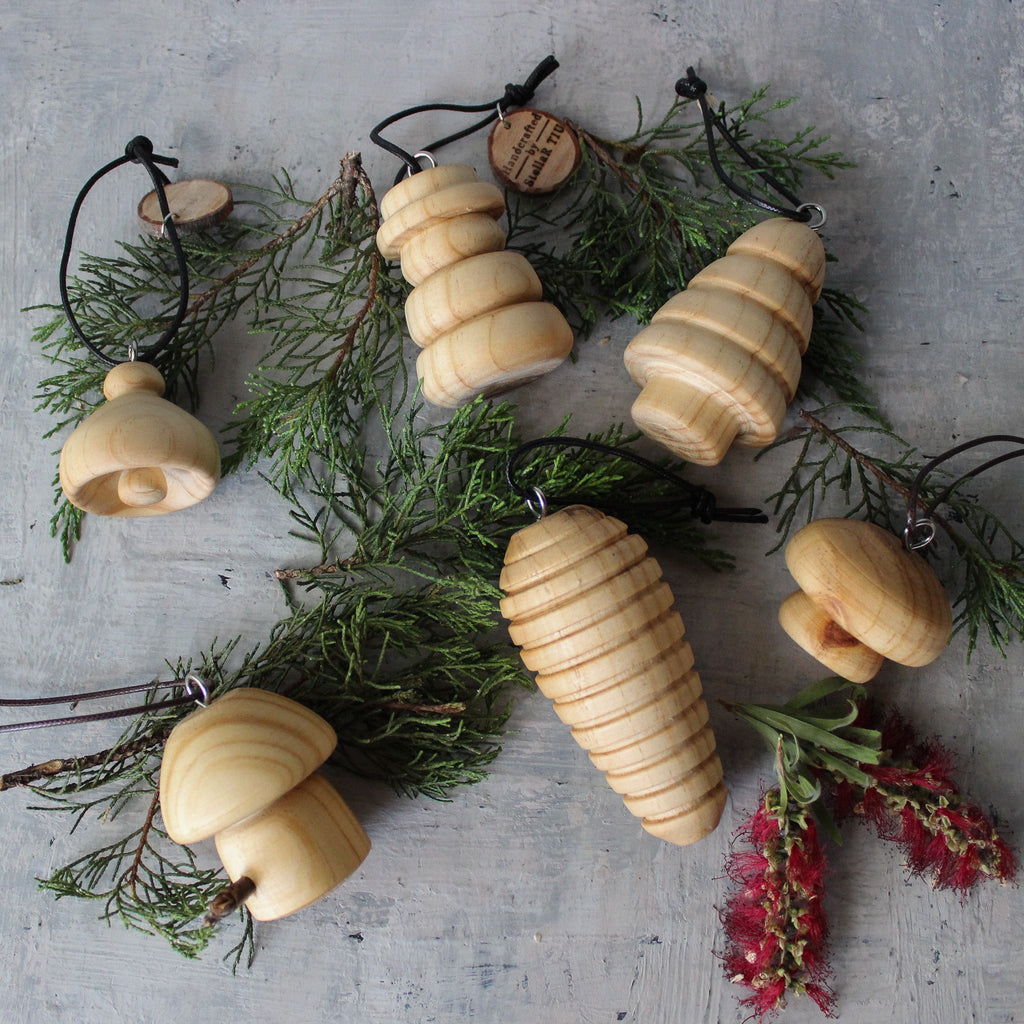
533,896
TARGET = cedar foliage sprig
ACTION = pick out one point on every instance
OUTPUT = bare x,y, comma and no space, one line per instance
984,571
388,634
644,214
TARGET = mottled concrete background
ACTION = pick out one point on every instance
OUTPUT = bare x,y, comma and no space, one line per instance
534,896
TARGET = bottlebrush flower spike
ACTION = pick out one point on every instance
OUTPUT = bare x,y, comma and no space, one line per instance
774,919
912,800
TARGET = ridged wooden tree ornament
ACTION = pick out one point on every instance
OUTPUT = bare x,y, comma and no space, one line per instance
594,620
721,360
475,310
242,770
863,598
138,454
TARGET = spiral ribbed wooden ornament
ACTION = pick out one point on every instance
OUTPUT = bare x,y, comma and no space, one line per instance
242,770
475,309
863,598
594,620
138,454
721,360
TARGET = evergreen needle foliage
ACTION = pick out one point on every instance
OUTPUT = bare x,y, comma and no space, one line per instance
392,632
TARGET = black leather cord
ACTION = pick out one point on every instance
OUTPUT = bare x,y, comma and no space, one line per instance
693,88
138,151
914,502
701,500
514,96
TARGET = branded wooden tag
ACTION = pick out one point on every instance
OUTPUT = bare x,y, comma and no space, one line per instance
196,204
532,151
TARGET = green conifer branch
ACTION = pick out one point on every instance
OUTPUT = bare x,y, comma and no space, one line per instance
393,635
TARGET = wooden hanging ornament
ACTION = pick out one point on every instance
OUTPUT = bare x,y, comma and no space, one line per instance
532,151
721,361
475,310
594,620
243,770
137,454
863,598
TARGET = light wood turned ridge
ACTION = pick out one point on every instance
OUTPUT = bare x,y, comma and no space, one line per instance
138,454
721,360
863,598
475,309
242,770
594,620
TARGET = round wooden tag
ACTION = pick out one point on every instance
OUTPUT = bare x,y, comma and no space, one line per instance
532,151
196,204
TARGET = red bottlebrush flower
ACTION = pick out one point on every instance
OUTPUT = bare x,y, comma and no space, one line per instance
774,919
914,802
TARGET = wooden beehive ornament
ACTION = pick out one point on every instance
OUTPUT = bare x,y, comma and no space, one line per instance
138,454
863,598
721,360
595,621
475,309
195,204
242,770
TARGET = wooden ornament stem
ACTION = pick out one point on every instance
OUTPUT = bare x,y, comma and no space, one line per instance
229,899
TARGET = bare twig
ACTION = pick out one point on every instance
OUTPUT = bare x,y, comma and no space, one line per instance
58,766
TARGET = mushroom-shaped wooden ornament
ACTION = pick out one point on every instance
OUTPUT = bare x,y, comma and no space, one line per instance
721,360
594,620
863,598
242,770
138,454
475,310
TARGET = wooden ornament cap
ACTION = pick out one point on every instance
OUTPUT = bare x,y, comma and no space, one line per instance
533,152
138,454
312,826
721,360
195,204
236,757
594,620
863,598
475,309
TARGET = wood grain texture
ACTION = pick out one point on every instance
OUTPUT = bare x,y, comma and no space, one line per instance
138,454
475,310
721,360
589,608
196,204
883,596
296,850
233,758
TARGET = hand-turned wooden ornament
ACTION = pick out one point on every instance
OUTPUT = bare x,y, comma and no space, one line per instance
594,620
475,310
138,454
721,360
863,598
242,770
